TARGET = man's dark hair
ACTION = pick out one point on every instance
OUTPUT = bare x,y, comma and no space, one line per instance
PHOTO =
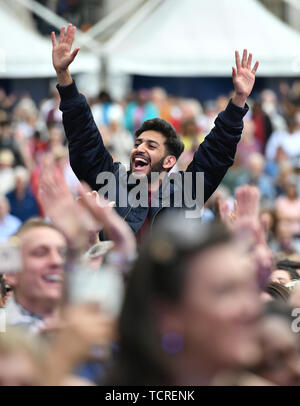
158,276
288,263
173,143
104,97
288,266
278,292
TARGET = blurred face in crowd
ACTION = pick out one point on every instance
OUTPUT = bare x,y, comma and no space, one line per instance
158,96
43,255
291,125
20,183
22,179
291,191
280,276
248,132
4,207
283,233
5,130
114,125
150,155
6,159
218,314
143,96
256,165
280,363
222,102
18,369
55,136
189,128
267,220
280,155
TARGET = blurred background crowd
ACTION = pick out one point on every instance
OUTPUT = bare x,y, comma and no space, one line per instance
215,303
268,155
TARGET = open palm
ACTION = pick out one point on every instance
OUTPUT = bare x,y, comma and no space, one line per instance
243,77
61,51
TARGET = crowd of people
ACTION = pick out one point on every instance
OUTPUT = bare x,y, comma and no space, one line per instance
110,295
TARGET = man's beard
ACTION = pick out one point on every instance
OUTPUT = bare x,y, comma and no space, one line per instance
156,168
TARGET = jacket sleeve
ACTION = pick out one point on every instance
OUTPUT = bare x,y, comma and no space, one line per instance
216,153
88,155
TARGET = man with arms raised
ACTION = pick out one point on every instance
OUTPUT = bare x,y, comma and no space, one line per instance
157,145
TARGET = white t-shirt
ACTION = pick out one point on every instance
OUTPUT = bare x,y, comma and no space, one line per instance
289,142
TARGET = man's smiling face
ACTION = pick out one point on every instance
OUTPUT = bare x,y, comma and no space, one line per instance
149,154
43,251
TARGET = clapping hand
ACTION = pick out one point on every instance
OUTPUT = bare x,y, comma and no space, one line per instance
244,222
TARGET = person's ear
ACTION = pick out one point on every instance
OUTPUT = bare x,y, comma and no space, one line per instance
169,162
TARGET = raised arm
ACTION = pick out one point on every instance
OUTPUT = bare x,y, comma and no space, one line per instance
88,155
216,153
62,56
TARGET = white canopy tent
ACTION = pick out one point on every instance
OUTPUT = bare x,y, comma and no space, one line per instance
199,37
26,54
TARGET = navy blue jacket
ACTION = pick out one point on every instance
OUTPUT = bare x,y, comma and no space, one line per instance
89,157
23,209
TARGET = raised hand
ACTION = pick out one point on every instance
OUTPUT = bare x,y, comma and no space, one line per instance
95,226
226,215
61,51
58,203
116,228
243,77
247,198
243,221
